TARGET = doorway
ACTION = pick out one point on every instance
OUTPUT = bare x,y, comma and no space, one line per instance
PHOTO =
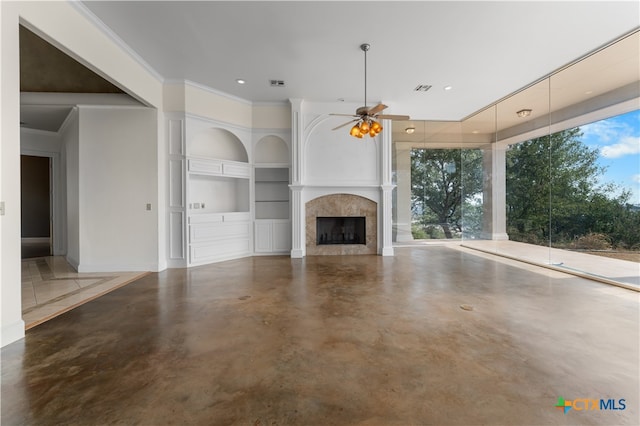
36,206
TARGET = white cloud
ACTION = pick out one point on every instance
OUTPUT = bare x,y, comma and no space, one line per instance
605,131
635,178
628,145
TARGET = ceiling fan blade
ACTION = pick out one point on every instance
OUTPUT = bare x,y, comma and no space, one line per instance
392,117
344,115
376,109
347,123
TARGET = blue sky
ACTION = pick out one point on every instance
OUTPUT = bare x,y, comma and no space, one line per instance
618,139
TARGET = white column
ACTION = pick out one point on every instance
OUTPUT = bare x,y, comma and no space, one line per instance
176,178
494,218
10,291
385,210
298,225
403,194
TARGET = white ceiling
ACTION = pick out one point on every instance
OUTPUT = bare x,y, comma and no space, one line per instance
485,50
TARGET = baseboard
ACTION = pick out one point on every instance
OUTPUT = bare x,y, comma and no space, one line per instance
387,251
297,254
35,240
87,267
12,332
176,264
73,262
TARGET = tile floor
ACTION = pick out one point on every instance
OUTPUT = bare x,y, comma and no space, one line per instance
50,287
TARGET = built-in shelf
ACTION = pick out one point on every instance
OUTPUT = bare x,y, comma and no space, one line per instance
272,228
272,192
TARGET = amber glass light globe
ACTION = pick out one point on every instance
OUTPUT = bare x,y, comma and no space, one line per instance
355,131
364,127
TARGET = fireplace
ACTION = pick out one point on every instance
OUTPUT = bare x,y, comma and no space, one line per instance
341,230
341,224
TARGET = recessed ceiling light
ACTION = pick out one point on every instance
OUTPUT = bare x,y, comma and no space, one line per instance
448,87
410,130
475,132
240,81
524,113
588,92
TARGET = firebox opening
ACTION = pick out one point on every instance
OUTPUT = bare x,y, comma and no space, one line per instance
340,230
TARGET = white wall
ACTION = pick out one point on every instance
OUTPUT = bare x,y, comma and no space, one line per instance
68,28
10,287
118,178
333,157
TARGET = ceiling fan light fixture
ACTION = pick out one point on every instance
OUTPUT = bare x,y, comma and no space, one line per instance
365,116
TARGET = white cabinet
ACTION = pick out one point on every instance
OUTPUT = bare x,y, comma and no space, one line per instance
215,237
219,210
272,235
204,166
263,236
281,236
272,227
213,167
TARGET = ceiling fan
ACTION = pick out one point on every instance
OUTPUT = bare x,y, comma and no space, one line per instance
366,117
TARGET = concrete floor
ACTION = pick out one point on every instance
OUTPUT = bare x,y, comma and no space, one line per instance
334,340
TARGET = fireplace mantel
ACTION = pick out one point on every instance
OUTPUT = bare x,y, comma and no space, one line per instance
342,205
332,163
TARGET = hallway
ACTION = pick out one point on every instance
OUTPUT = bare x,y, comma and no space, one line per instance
334,340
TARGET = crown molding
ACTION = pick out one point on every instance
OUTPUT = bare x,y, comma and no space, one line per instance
272,103
89,15
216,123
72,114
217,92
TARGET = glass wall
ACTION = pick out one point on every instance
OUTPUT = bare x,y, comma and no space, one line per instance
550,174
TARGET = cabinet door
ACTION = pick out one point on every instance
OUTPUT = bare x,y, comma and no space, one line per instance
281,235
241,170
263,236
205,167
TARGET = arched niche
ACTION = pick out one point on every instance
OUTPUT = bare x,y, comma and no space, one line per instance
271,149
218,143
333,157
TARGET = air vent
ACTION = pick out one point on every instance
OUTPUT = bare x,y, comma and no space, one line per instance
422,88
276,83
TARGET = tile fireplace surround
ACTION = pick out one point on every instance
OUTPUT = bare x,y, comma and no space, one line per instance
341,205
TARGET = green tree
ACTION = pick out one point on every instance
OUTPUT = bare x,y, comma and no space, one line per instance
441,180
553,193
